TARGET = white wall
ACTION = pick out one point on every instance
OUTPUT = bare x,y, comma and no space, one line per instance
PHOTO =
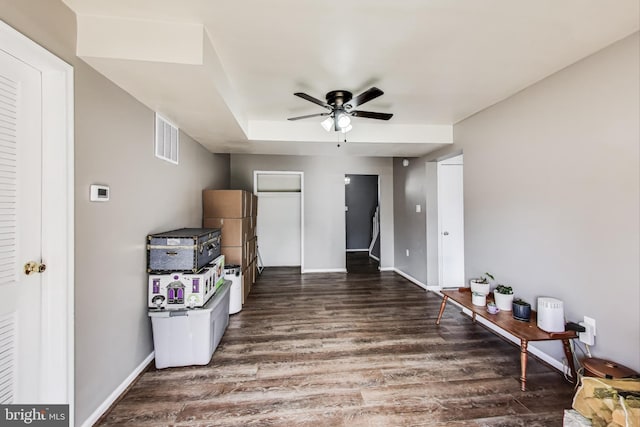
552,195
114,146
324,219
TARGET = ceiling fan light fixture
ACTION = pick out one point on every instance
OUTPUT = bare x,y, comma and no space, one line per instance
343,121
346,129
341,104
327,124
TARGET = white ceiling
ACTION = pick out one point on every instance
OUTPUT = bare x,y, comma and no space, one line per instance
225,71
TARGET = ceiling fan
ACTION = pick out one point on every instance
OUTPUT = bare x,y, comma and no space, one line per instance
341,105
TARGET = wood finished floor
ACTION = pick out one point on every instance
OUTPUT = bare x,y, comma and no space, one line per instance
361,263
348,350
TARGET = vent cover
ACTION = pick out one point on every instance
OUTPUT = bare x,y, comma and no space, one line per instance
167,140
7,358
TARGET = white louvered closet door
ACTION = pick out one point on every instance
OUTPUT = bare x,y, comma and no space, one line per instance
20,230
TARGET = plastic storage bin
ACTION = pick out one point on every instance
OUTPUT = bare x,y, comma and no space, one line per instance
189,337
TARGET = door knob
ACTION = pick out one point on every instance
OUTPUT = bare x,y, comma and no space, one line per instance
34,267
446,233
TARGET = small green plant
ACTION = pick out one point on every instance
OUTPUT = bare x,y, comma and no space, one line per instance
485,279
519,301
505,290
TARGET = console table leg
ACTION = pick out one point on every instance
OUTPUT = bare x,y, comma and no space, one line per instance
569,355
523,364
442,306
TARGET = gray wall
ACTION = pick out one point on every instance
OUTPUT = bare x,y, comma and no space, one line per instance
114,146
361,197
324,219
552,195
409,190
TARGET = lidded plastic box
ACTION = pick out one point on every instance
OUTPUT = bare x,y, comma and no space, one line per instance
189,337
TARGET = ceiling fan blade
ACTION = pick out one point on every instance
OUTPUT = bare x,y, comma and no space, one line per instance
312,99
365,96
371,115
308,116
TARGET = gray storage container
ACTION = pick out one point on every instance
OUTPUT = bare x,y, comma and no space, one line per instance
186,249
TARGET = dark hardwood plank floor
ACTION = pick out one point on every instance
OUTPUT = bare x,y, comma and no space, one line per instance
361,263
348,350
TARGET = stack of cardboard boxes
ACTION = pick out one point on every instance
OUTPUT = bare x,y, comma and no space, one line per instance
235,213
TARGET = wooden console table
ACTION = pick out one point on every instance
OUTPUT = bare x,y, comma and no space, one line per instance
525,331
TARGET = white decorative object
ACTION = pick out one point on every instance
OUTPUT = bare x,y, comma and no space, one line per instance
479,299
550,314
492,308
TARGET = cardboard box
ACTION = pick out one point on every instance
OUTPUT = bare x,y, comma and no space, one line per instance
251,250
235,231
225,204
253,224
248,200
254,206
237,255
246,284
254,270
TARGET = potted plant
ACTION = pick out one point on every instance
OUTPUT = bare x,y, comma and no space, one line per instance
503,296
482,285
521,310
479,299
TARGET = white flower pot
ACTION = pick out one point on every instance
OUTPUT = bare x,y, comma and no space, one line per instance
503,301
478,299
481,288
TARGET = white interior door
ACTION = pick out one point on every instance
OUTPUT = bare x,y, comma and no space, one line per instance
451,222
278,229
20,230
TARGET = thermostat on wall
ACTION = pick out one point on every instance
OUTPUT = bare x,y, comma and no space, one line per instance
99,193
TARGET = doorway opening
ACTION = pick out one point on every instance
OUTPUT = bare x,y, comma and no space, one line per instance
280,225
362,223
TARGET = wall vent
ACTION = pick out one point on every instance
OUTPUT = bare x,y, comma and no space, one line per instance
7,358
167,140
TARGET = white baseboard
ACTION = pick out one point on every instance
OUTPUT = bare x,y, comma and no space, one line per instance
95,416
410,278
324,270
358,250
374,257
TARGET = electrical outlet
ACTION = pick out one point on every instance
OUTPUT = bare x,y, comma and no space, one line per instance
591,322
407,252
587,336
418,208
